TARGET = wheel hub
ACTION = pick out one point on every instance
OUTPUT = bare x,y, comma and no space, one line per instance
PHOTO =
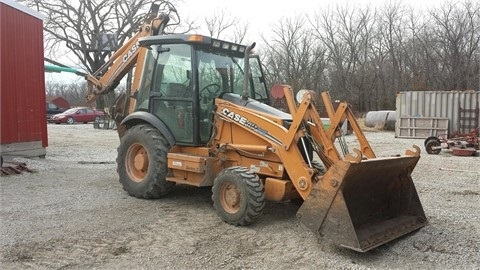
140,161
230,198
137,162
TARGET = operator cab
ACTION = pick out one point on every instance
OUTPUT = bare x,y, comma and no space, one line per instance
182,76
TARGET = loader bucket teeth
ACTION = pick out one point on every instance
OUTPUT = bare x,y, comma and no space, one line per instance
363,205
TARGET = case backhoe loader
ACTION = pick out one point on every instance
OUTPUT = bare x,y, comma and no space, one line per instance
191,121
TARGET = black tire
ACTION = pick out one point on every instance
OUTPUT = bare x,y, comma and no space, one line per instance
238,196
430,144
142,162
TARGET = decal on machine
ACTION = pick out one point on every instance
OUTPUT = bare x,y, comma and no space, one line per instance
244,122
130,53
177,163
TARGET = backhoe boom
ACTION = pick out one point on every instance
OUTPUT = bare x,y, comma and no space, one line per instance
107,77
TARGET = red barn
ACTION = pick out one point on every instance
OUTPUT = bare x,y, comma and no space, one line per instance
23,128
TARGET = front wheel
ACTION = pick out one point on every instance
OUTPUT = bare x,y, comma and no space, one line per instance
70,120
142,162
238,196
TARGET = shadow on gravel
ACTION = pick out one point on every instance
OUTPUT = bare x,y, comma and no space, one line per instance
279,211
189,194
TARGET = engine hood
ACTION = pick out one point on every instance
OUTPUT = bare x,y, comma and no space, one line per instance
256,105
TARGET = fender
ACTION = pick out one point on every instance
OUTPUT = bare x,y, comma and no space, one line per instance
136,117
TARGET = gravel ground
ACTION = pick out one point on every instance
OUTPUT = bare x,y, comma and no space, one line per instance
72,213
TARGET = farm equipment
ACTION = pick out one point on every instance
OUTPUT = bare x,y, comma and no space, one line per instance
458,144
12,167
189,120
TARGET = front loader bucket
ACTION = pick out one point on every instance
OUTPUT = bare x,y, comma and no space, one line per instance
361,205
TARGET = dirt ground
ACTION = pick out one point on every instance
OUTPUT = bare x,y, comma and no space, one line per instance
73,214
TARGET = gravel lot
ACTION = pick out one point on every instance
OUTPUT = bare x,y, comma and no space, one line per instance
73,214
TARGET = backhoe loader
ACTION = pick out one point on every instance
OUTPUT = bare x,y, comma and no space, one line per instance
194,118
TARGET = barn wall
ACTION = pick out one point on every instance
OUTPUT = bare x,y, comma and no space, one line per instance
22,81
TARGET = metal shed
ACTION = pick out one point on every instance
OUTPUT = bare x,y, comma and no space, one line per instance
421,114
22,81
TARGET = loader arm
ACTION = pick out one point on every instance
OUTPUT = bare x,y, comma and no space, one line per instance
336,120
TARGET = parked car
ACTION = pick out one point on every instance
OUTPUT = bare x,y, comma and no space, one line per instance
53,109
80,115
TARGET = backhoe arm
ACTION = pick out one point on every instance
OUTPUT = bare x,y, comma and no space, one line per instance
107,77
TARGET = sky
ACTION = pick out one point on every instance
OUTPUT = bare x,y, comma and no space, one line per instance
260,15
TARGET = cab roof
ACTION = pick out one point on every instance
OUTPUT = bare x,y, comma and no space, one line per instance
192,39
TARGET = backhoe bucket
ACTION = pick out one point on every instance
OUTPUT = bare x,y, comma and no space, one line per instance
361,205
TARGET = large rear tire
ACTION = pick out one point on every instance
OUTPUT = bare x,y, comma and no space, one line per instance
142,162
238,196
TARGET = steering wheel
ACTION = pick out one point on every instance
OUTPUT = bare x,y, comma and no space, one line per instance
258,95
209,88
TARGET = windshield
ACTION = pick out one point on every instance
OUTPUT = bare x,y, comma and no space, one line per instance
71,111
225,74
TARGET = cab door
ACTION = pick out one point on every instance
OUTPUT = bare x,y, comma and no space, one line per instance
172,94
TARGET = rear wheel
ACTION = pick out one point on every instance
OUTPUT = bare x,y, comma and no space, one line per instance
431,147
238,196
142,162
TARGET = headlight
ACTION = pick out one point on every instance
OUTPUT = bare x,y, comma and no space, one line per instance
300,95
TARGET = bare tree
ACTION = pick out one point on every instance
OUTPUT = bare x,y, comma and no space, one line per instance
455,37
73,92
79,25
292,56
223,25
347,33
393,71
